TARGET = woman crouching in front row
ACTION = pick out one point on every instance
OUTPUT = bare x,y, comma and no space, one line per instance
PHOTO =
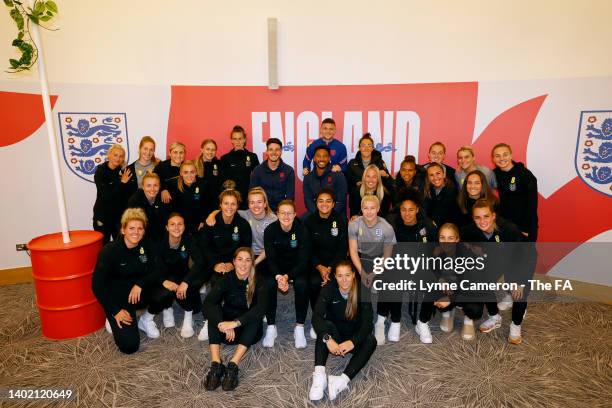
343,323
127,277
235,308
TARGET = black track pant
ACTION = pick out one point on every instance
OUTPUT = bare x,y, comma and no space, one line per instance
518,310
361,353
307,287
427,308
127,338
245,335
263,272
191,303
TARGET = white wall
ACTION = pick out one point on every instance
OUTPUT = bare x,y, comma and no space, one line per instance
194,42
324,42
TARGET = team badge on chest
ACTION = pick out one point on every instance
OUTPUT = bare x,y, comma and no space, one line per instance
215,170
512,185
293,243
334,229
248,161
196,195
143,257
378,232
235,234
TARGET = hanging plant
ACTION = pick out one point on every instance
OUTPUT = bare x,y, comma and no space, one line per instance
41,11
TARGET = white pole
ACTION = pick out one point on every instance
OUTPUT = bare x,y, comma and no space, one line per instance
44,87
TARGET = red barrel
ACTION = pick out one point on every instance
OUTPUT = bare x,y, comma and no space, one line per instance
62,276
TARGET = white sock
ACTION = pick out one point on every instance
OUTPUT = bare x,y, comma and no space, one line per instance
319,370
468,321
380,320
345,378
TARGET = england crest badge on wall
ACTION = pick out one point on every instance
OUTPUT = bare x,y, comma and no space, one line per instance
594,150
86,138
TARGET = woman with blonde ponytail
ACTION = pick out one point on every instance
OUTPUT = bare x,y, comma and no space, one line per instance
235,309
343,321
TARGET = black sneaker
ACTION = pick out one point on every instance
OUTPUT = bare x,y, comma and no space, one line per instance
214,376
230,381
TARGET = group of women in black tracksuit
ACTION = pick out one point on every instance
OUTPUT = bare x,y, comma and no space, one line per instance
177,225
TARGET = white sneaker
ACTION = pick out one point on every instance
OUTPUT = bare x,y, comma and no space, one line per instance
147,325
515,334
300,338
492,323
271,334
335,385
422,329
313,333
447,323
107,326
187,327
379,333
203,334
168,317
505,303
394,332
317,389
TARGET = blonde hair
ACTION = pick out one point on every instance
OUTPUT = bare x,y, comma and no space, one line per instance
150,175
252,279
380,189
497,146
133,214
175,145
260,191
449,226
371,198
199,162
180,184
352,303
114,147
466,149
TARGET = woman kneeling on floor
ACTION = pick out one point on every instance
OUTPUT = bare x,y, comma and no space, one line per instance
127,277
235,308
343,323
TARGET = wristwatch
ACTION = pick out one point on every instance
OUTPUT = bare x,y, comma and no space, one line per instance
326,338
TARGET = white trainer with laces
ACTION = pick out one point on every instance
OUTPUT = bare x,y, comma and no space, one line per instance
271,334
300,337
187,327
394,332
515,334
147,325
336,384
492,323
313,333
168,317
203,334
422,329
317,389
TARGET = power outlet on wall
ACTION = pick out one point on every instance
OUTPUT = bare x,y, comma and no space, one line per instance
21,247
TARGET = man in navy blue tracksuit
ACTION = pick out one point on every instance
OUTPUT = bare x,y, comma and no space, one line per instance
322,176
275,176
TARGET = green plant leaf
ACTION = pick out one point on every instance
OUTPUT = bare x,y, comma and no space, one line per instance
34,18
49,13
14,63
45,18
39,7
20,35
9,3
17,42
51,6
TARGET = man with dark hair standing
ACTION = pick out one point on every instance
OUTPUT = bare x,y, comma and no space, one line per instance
337,149
275,176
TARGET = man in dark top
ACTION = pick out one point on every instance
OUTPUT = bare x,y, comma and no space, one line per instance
275,176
